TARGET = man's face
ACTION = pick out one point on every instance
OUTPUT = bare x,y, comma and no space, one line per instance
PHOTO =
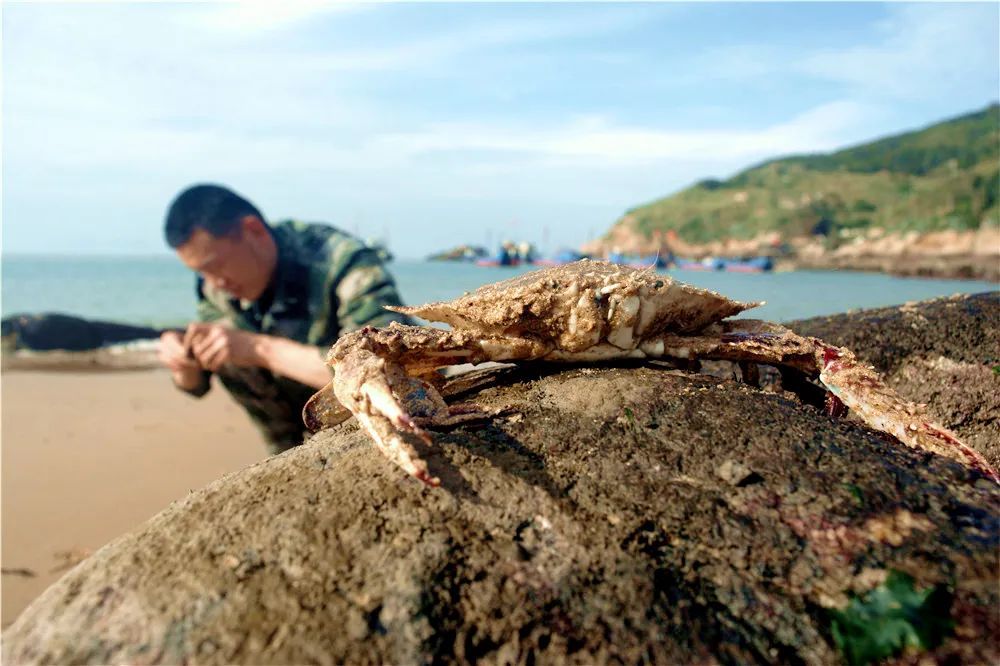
233,263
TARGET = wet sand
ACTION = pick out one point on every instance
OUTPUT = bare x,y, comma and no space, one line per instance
87,456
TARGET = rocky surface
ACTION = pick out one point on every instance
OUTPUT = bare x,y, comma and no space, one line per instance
638,514
973,254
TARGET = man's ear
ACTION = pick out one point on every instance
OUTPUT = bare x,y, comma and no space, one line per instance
253,226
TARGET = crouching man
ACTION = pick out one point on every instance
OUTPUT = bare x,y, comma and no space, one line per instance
271,301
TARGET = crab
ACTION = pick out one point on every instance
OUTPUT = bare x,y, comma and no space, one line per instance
586,311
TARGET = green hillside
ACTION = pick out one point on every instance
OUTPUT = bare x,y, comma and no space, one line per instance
942,177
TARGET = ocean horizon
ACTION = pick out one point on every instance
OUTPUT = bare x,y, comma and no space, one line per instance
158,290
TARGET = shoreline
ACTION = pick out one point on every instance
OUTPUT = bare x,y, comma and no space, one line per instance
945,254
940,267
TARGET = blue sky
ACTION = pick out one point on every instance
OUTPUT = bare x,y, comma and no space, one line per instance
440,124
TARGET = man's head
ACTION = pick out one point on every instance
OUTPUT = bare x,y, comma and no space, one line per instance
222,236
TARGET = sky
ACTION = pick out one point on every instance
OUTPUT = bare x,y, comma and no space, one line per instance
433,125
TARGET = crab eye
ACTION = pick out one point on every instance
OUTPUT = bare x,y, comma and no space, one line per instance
657,284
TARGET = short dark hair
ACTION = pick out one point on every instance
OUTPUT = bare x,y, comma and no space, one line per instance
216,209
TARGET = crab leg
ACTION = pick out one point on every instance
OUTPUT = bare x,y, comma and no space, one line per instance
371,368
853,384
323,410
861,389
372,380
364,386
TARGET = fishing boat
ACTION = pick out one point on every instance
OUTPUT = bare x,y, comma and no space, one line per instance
750,265
731,264
706,264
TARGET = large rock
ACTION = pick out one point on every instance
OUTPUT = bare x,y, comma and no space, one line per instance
637,514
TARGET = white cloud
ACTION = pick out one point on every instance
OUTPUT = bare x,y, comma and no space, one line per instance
926,50
451,46
76,77
595,140
250,17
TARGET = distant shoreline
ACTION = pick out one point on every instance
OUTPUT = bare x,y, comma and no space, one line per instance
128,356
977,267
951,255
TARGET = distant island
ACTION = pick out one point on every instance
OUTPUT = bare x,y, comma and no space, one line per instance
459,253
919,203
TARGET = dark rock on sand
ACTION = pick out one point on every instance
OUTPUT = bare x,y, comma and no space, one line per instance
612,514
49,331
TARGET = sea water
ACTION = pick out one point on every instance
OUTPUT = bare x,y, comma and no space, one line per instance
160,291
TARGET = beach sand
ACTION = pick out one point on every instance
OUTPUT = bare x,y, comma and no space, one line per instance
87,456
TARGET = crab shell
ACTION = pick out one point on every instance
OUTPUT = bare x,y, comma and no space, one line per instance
579,305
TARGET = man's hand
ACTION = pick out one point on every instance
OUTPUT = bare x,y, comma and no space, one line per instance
214,345
173,354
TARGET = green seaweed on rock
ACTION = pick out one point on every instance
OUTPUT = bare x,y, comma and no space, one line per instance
890,618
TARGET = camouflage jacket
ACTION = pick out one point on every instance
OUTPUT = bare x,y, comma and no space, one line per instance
326,283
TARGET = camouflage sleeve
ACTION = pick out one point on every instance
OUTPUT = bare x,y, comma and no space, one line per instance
362,291
356,288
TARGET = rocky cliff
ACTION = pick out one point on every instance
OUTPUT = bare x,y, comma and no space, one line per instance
923,202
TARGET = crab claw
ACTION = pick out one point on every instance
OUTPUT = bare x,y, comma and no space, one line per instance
365,385
323,410
392,444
